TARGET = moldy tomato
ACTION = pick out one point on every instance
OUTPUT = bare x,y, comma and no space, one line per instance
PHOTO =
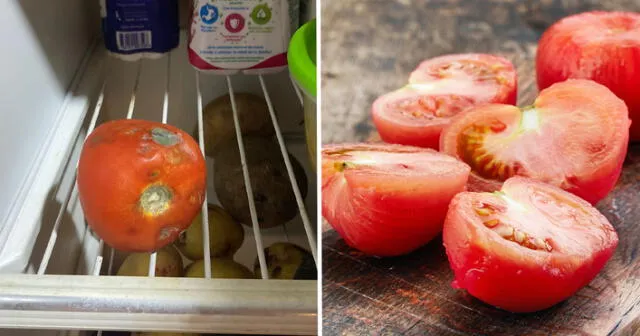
526,247
140,183
438,89
574,136
602,46
388,200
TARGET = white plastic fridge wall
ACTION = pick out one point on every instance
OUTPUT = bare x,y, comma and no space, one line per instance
48,40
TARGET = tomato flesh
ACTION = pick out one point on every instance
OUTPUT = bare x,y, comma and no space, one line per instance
527,247
140,183
388,200
574,137
439,89
601,46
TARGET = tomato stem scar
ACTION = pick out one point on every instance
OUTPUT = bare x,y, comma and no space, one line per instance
155,200
341,166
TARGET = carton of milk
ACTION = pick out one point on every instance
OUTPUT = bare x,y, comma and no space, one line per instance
134,29
248,36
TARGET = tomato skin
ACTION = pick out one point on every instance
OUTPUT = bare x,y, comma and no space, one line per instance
588,139
506,275
140,183
416,114
601,46
388,211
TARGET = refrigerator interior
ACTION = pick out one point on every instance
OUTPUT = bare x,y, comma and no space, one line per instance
56,275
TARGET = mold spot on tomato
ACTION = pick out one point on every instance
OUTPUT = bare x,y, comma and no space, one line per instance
131,131
167,232
154,174
145,150
155,200
164,137
174,156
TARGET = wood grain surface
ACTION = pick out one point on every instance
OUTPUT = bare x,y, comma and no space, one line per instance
368,48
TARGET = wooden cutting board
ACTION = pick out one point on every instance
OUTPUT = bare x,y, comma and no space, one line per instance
368,48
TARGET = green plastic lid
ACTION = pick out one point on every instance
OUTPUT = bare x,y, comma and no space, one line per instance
302,57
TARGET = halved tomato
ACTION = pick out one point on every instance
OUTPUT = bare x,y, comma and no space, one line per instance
601,46
574,136
526,247
438,89
388,200
140,183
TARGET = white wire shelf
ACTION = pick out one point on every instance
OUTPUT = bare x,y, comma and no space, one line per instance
167,90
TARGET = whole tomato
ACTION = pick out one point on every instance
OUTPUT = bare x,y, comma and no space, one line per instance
601,46
140,183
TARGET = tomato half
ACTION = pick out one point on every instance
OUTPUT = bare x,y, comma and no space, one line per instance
140,183
438,89
574,136
388,200
602,46
527,247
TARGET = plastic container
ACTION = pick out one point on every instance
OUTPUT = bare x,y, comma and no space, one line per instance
135,29
302,65
248,36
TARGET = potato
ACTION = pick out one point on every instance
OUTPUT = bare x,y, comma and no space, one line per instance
287,261
168,263
253,115
272,191
225,235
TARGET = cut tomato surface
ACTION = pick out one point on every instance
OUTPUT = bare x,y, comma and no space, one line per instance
388,200
602,46
526,247
574,136
438,89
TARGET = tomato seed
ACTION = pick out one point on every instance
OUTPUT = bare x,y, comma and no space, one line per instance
505,231
497,126
492,223
483,212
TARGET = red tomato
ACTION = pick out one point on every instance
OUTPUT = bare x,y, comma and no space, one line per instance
388,200
439,89
602,46
527,247
140,183
574,136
